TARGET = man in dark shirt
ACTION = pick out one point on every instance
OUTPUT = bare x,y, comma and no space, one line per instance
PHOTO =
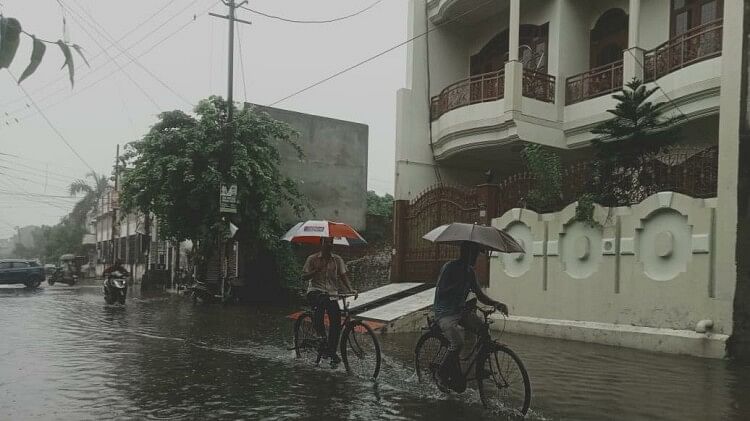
116,267
457,279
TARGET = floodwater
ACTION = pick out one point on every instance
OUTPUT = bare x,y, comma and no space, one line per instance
65,355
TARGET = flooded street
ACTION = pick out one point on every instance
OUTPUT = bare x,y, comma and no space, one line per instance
65,355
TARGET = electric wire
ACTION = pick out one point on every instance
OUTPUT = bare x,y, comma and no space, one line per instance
107,35
137,27
52,126
133,45
242,62
270,16
380,54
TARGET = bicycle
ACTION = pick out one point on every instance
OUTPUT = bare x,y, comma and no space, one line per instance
360,349
501,377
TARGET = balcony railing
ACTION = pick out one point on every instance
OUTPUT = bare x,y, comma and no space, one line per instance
539,86
700,43
475,89
593,83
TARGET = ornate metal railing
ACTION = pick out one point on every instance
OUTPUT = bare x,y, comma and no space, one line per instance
593,83
478,88
538,85
691,172
700,43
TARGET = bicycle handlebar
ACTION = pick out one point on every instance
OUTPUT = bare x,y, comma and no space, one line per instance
336,297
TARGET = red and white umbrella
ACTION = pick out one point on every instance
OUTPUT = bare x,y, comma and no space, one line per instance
310,232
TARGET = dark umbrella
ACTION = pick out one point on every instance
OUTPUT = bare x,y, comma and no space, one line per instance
489,237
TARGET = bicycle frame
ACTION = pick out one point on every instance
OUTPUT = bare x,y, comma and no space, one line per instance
482,345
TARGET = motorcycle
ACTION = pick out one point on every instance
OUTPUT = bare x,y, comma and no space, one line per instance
206,293
115,288
59,276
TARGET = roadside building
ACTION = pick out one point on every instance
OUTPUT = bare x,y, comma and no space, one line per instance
492,78
332,175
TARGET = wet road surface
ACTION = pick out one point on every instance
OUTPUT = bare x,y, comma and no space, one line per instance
65,355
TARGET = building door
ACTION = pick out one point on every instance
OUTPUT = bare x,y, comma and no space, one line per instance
689,14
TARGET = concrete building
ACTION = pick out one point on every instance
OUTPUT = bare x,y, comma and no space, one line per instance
136,240
332,176
333,172
492,77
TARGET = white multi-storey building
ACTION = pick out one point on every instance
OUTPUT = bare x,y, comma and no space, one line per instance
493,76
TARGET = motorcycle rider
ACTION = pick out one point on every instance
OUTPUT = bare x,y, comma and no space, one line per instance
116,267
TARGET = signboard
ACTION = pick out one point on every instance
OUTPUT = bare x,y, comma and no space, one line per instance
228,199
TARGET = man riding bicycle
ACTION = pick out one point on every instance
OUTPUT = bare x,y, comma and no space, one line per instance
457,278
326,272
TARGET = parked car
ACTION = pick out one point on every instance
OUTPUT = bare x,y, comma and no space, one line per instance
20,271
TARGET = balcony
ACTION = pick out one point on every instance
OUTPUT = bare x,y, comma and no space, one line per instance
485,87
539,86
698,44
593,83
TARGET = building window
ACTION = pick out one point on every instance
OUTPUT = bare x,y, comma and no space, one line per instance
688,14
609,38
533,42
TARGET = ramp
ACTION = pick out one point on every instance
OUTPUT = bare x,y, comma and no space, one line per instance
381,294
401,308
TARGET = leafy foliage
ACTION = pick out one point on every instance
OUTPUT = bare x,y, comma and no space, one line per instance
50,242
546,168
176,169
585,209
637,132
379,205
92,193
10,38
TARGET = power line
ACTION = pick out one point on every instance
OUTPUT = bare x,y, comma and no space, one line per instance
36,170
87,75
257,12
242,63
76,17
27,194
382,53
46,163
52,126
81,90
140,25
137,63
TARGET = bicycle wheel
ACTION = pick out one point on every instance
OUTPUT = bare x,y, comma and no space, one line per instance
428,354
503,381
360,350
306,340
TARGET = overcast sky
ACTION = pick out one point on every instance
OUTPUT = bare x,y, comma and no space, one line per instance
114,102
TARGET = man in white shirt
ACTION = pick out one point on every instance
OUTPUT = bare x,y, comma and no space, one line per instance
326,273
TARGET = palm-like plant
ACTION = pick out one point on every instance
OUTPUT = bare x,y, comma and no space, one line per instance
92,188
627,143
639,127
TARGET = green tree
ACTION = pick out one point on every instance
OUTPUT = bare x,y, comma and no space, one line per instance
65,237
92,193
546,168
379,205
637,132
176,170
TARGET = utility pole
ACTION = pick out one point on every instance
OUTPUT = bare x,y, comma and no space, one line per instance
230,68
226,163
113,203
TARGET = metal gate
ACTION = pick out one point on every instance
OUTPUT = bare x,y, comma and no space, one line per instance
437,206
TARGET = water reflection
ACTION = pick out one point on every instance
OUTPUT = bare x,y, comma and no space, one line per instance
66,355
